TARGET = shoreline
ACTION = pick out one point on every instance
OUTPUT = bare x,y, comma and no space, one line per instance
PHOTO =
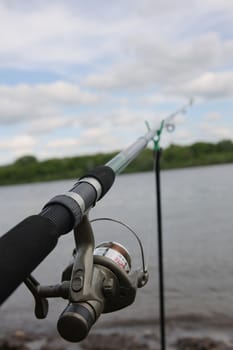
27,169
144,340
190,332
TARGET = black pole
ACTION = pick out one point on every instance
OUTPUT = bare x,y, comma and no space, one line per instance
157,156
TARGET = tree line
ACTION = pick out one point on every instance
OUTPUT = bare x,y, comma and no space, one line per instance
28,169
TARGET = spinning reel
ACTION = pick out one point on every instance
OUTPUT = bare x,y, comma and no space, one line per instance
97,281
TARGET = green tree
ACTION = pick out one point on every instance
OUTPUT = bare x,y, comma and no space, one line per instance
26,160
225,146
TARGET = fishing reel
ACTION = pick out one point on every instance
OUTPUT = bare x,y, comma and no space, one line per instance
99,280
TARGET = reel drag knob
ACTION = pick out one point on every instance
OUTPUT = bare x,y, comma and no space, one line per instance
75,321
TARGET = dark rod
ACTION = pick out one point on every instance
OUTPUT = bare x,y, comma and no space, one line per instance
157,156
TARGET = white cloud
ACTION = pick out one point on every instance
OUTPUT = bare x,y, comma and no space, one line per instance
182,135
105,138
16,143
67,93
223,132
149,33
128,118
158,98
92,140
173,48
45,125
16,146
56,35
27,102
209,85
147,45
63,143
214,132
213,116
166,65
48,34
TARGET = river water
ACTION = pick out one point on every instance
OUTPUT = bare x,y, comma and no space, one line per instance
198,244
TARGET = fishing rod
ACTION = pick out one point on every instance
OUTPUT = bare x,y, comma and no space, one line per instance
122,159
99,280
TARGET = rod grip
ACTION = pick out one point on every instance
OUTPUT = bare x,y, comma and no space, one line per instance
66,210
22,249
104,175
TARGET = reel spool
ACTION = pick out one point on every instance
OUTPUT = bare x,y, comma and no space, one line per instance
116,252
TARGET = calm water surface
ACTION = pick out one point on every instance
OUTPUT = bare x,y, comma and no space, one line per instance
198,243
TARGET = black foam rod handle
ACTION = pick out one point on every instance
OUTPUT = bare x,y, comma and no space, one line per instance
22,249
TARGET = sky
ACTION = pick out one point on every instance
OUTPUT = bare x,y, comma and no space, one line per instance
80,77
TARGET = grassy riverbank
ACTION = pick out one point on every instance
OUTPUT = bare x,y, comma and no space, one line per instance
28,169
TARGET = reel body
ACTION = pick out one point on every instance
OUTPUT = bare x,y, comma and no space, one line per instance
93,284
